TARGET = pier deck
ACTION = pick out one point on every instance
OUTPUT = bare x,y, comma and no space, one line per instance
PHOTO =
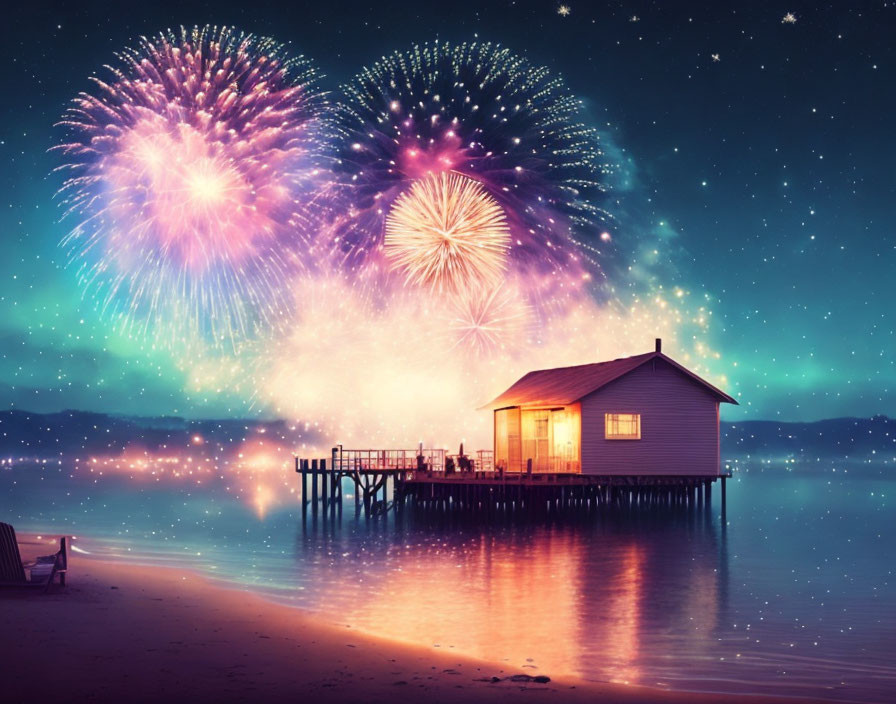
420,477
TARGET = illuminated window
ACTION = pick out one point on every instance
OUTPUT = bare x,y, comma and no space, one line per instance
623,426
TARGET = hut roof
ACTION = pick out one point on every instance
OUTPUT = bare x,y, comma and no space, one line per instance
565,385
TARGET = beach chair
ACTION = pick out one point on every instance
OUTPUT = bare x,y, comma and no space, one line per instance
41,572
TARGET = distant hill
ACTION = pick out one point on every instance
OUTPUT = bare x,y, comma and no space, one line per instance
79,434
857,438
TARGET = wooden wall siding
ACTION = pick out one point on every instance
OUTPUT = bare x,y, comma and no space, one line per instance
679,425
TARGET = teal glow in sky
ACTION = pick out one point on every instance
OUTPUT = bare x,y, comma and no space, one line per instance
760,150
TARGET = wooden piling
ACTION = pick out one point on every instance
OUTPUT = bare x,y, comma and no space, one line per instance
315,497
302,467
723,497
324,481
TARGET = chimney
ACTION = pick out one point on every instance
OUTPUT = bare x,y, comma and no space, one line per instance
659,344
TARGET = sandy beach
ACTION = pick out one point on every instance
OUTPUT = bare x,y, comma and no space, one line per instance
135,633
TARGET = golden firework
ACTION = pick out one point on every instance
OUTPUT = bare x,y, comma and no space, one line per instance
448,233
489,321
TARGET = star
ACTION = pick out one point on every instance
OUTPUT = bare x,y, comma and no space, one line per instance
716,57
564,10
634,18
789,18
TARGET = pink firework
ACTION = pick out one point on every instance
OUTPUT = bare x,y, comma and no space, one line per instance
192,176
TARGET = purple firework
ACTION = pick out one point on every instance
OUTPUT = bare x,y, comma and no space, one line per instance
483,112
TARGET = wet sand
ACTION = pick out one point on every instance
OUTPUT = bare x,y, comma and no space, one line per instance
135,633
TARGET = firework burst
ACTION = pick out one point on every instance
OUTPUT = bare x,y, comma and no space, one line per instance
483,112
191,173
439,231
446,232
490,321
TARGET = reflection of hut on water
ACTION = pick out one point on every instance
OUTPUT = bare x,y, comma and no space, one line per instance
626,600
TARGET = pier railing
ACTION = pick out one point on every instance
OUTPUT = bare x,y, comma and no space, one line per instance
381,460
432,460
485,460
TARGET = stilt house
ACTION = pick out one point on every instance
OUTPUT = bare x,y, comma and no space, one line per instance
641,415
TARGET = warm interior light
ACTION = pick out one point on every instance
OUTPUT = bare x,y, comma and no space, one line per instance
550,437
622,426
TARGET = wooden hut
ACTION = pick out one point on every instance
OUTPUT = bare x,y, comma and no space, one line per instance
645,415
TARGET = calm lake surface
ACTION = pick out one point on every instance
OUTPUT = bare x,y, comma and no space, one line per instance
794,594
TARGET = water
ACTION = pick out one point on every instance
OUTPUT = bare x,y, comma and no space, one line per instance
795,595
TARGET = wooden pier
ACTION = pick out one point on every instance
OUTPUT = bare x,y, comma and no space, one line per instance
423,478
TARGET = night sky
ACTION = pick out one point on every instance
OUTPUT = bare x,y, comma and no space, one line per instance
762,149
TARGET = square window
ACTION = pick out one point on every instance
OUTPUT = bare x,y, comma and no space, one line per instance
622,426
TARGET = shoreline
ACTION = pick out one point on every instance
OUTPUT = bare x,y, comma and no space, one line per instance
119,629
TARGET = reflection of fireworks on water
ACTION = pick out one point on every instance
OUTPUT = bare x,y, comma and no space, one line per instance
481,111
446,232
190,175
252,469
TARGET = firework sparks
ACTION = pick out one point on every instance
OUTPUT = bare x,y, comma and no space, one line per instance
413,338
490,321
412,370
191,174
448,233
483,112
441,231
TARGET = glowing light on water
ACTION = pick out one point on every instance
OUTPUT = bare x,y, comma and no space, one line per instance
255,469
